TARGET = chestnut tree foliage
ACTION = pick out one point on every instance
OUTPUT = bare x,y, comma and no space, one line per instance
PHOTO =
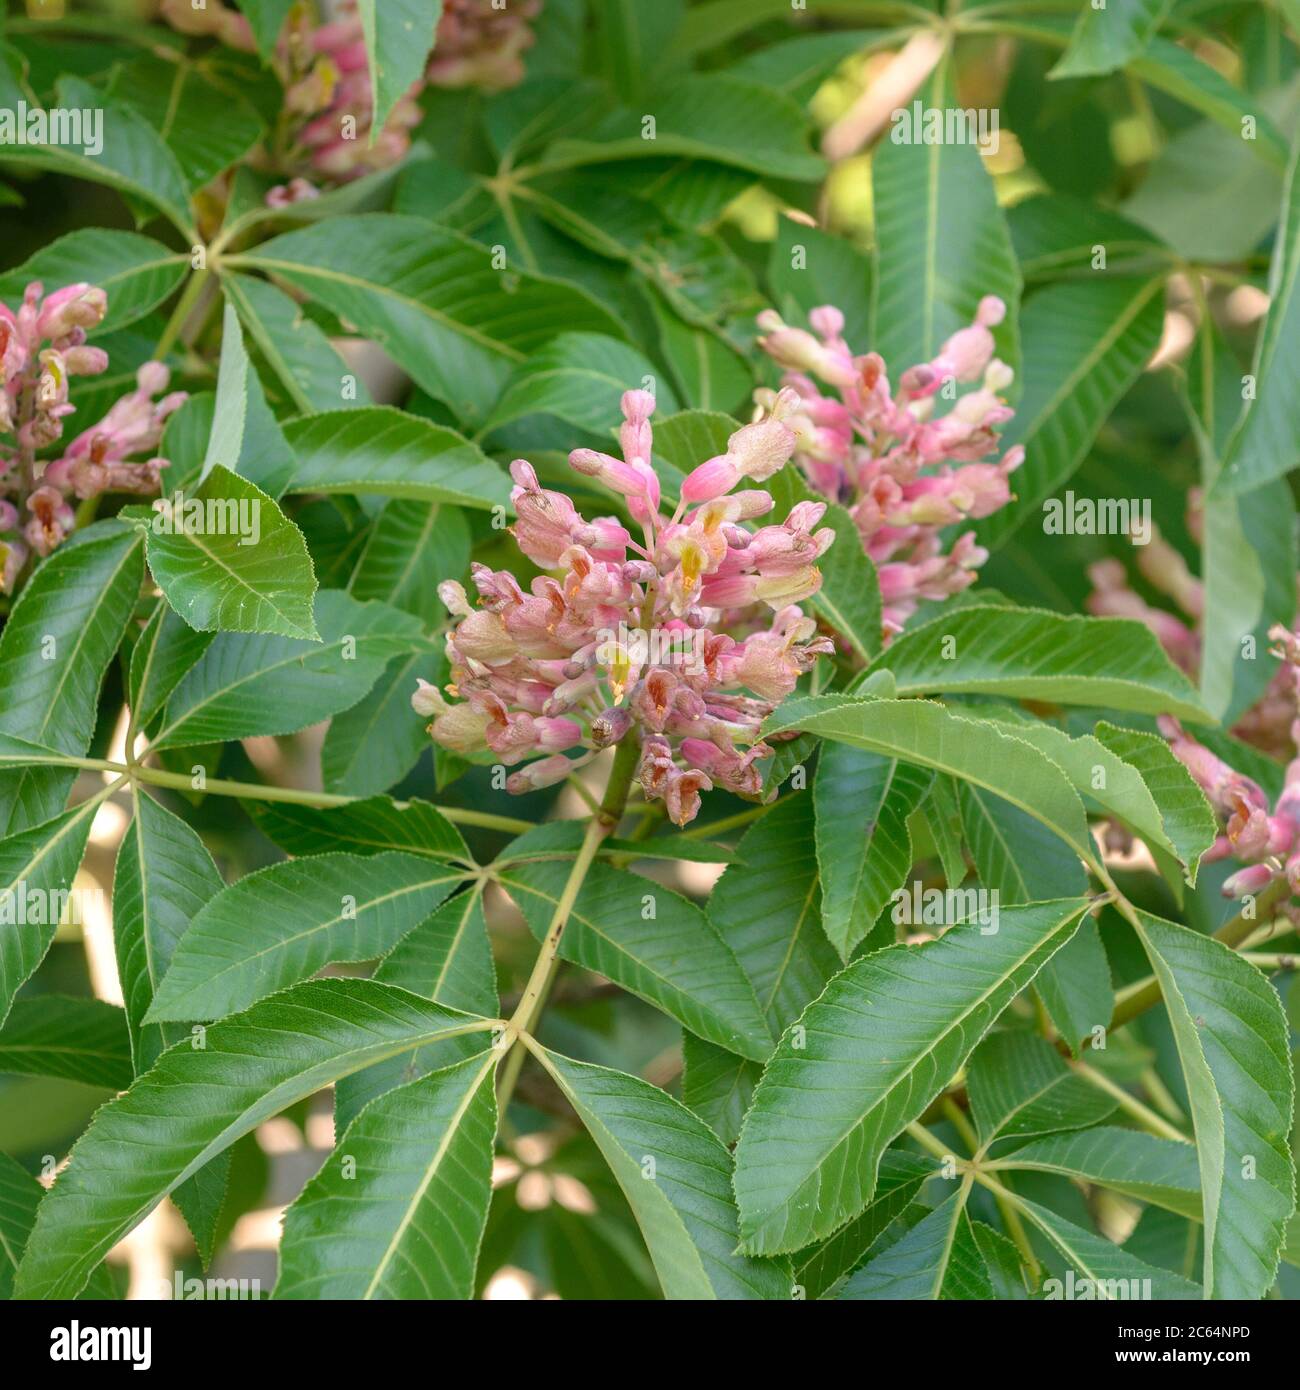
916,919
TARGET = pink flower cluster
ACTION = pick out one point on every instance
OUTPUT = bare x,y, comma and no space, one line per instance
888,455
1266,840
1267,725
326,75
684,639
42,347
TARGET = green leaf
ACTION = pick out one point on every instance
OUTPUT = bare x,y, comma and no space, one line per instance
306,364
399,36
937,1258
382,452
717,1085
932,736
677,1178
37,867
406,1221
797,68
55,648
373,745
20,1196
136,272
1114,1273
632,41
202,118
374,826
822,1272
1055,233
434,299
1032,654
165,877
1233,1045
1161,1171
672,958
248,684
410,548
447,959
1018,1086
864,849
228,559
133,159
78,1039
579,378
1108,38
715,117
196,1101
282,924
1266,443
807,268
941,245
1084,344
165,650
867,1058
266,19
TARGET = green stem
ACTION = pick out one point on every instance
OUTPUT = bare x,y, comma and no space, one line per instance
194,287
1146,1117
538,987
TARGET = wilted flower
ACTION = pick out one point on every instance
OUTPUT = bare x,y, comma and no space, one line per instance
686,639
42,347
887,454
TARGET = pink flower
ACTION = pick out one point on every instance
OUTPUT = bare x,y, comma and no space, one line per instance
663,640
889,455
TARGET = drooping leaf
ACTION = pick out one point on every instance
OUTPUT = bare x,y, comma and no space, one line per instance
195,1102
867,1058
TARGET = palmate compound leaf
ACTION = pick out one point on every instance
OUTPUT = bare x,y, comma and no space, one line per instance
866,1059
249,573
1033,654
398,1209
651,941
198,1099
676,1176
1233,1044
281,924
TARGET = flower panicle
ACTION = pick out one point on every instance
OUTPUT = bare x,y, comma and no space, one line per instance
684,636
43,348
903,466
